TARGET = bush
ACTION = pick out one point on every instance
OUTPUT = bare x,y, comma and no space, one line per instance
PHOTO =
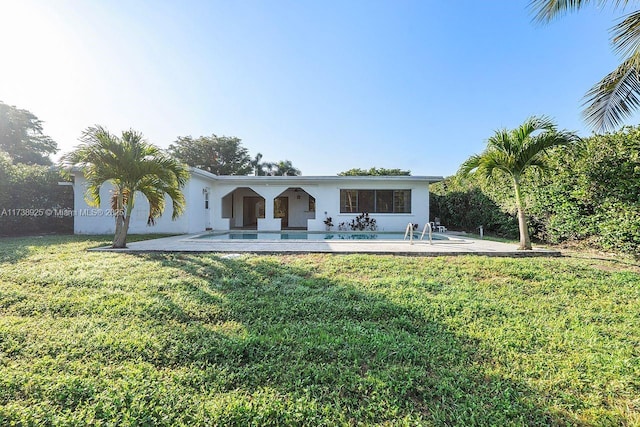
594,193
591,193
29,195
462,205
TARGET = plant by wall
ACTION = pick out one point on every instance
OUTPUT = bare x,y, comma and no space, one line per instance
362,222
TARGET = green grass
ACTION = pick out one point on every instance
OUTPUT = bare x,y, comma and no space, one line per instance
203,339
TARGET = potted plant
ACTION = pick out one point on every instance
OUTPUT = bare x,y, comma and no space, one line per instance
328,222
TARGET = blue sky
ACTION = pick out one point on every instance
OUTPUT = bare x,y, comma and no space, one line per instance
329,85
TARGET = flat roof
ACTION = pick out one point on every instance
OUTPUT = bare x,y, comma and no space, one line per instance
311,178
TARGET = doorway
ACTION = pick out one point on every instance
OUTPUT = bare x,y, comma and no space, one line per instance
281,210
252,209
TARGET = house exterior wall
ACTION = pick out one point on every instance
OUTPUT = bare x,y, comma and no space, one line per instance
99,220
326,191
225,212
328,204
299,212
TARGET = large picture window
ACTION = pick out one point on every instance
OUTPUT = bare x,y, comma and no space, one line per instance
375,201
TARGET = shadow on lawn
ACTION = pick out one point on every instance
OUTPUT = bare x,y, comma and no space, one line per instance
358,355
13,249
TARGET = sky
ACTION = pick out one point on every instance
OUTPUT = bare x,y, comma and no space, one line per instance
330,85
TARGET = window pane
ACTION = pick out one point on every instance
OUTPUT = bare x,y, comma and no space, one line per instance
312,204
384,201
366,200
402,201
348,201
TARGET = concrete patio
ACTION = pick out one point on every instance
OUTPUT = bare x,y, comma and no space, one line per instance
458,245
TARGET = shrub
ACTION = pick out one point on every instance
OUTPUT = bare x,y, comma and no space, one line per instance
362,222
29,195
592,193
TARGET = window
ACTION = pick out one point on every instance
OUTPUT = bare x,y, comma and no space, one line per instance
312,204
375,201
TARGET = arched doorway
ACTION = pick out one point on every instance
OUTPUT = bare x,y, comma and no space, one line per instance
294,207
243,206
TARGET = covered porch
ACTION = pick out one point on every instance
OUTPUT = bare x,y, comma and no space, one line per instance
268,208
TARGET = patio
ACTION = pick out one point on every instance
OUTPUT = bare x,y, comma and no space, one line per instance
460,246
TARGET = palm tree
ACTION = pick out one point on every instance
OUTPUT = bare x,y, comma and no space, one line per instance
617,95
131,164
512,152
285,168
256,164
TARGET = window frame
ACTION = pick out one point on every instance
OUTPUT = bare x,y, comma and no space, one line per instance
351,197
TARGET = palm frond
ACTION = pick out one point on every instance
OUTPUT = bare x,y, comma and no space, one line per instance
625,35
535,148
470,165
615,97
546,10
512,152
131,164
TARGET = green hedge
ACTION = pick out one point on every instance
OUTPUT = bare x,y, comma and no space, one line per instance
463,205
591,193
30,197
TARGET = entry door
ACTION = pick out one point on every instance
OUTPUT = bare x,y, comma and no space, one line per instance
252,209
281,210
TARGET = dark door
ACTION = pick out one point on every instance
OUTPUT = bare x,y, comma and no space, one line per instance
281,210
252,209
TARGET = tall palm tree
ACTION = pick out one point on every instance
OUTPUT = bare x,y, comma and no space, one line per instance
285,168
132,165
512,152
257,165
617,95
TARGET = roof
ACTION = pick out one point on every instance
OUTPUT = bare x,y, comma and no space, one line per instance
303,179
310,179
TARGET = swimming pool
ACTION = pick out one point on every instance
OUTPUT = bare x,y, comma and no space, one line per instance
312,235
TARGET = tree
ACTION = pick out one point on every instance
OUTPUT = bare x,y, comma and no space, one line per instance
220,155
21,136
33,189
258,166
375,172
512,153
617,95
131,164
285,168
280,168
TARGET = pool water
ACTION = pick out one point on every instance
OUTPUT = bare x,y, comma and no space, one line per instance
312,235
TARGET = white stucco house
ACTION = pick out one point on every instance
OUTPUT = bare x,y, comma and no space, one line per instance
269,203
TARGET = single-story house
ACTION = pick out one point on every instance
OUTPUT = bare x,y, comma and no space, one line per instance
268,203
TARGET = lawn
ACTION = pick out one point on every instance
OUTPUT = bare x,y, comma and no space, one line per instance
204,339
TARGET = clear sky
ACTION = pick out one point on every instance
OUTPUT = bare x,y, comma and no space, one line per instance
330,85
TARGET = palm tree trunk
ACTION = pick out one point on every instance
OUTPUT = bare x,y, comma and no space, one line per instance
525,242
119,220
123,218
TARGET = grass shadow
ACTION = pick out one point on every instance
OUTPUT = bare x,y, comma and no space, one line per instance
357,355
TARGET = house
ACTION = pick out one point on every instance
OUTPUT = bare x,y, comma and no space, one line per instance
268,203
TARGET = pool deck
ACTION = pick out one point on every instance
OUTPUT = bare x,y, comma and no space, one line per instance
458,245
